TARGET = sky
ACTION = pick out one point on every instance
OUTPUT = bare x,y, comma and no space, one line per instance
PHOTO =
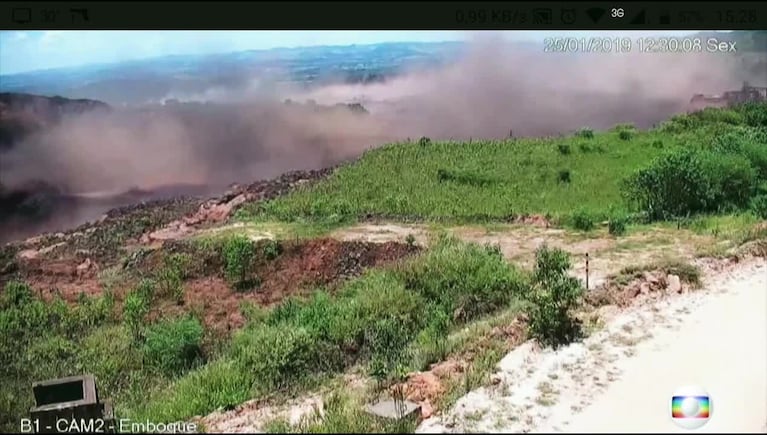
23,51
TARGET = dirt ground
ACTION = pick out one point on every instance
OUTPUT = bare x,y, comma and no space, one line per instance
301,267
607,255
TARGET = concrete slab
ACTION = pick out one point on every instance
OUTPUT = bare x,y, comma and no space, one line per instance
393,410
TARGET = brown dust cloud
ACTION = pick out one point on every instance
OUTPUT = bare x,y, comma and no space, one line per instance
492,89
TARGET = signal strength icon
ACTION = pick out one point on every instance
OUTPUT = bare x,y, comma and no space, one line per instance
595,14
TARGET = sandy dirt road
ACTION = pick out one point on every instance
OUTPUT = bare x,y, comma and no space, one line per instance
721,346
621,378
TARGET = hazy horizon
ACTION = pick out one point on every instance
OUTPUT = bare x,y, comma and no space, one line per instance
34,51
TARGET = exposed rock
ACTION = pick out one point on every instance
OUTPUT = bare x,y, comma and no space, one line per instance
644,288
427,410
447,369
423,386
85,268
27,254
674,284
650,277
31,254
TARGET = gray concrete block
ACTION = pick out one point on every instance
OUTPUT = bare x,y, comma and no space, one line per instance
395,410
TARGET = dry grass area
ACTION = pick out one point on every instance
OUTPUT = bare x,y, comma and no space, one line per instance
608,255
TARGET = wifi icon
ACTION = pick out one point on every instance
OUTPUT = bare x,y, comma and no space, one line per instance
595,14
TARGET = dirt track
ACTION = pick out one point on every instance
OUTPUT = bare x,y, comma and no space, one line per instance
720,346
621,378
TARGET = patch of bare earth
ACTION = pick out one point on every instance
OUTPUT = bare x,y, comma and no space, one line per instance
218,210
429,388
297,271
518,242
253,415
301,267
147,224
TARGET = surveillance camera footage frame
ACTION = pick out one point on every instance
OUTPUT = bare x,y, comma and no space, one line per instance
391,15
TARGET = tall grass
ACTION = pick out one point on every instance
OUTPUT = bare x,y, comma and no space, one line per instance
489,180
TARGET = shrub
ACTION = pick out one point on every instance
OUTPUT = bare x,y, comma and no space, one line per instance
272,249
172,346
617,225
755,114
276,356
554,296
171,284
146,289
759,206
346,322
585,133
690,181
386,339
16,294
625,135
238,256
623,127
424,141
564,149
672,185
410,240
465,279
109,353
756,153
657,143
582,220
709,115
564,176
135,307
733,181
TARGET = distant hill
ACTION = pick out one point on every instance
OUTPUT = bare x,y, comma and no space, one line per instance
135,82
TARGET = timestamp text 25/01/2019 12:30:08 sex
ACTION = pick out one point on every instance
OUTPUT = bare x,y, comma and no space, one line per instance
644,44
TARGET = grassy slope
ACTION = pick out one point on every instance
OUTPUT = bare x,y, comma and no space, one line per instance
495,179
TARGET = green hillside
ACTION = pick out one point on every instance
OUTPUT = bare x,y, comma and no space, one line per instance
584,173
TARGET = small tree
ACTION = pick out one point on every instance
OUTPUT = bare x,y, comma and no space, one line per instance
134,310
554,296
238,255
